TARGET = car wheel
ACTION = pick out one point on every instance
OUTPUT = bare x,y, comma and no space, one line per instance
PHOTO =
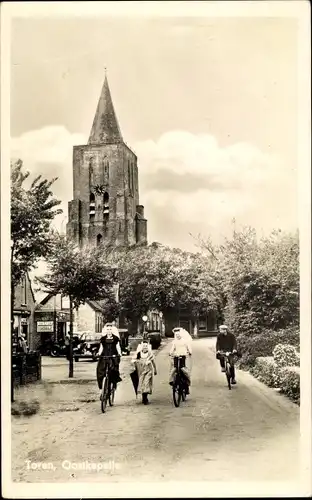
76,359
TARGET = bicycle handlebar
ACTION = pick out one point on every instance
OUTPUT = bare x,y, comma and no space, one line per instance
109,357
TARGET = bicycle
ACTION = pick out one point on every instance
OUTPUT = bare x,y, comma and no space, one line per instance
179,386
227,356
108,386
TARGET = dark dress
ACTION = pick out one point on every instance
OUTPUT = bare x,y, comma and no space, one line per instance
109,349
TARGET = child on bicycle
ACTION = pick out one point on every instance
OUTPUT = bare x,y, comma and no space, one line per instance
226,342
109,346
180,346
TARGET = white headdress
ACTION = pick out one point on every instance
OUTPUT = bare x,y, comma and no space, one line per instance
110,328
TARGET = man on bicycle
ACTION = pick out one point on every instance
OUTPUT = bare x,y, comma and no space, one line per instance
226,342
109,346
180,346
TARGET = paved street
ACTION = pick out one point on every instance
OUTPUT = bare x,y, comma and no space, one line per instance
248,434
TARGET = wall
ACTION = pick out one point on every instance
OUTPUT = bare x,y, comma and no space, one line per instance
24,306
85,318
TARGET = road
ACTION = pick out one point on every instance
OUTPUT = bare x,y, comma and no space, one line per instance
250,433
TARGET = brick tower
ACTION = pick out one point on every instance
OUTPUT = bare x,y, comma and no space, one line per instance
105,206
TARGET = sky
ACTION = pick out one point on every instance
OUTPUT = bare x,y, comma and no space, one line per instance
209,105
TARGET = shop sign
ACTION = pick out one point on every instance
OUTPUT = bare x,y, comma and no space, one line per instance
45,326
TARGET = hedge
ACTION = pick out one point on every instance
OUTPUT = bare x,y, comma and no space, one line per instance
274,374
262,345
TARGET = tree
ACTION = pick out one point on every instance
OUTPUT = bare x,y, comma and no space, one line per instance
32,211
163,278
259,279
80,275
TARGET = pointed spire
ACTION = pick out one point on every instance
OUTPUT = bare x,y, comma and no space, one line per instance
105,126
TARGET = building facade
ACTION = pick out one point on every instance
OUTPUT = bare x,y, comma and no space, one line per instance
52,319
105,206
23,313
206,325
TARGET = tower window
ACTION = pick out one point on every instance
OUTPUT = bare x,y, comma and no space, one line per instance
92,206
91,171
106,172
99,239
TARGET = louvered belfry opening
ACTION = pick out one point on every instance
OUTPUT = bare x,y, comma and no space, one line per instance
92,207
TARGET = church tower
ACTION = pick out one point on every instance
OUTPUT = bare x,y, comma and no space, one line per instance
105,206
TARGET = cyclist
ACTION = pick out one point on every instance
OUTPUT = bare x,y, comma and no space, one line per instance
181,346
226,342
109,346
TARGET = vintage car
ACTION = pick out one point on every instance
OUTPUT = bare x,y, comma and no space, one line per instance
89,344
88,347
155,339
124,341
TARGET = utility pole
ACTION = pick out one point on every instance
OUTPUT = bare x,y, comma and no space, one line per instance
54,321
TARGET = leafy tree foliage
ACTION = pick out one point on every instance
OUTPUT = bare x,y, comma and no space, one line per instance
159,277
78,274
32,211
260,280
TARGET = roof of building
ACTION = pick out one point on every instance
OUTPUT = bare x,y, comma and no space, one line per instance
95,304
105,128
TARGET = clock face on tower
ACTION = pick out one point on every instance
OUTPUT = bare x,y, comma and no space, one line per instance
98,189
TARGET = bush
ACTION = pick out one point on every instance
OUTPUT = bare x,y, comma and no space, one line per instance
262,345
286,378
25,408
286,355
264,370
290,382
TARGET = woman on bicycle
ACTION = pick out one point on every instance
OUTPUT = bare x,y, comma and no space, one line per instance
109,346
181,346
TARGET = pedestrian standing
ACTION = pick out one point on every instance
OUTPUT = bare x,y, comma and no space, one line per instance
145,365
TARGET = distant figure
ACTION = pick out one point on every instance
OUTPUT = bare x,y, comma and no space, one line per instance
22,343
67,344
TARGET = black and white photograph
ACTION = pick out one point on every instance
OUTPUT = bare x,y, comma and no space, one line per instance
155,249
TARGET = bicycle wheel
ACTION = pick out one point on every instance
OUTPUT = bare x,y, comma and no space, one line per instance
228,376
176,393
183,389
183,394
104,395
111,394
